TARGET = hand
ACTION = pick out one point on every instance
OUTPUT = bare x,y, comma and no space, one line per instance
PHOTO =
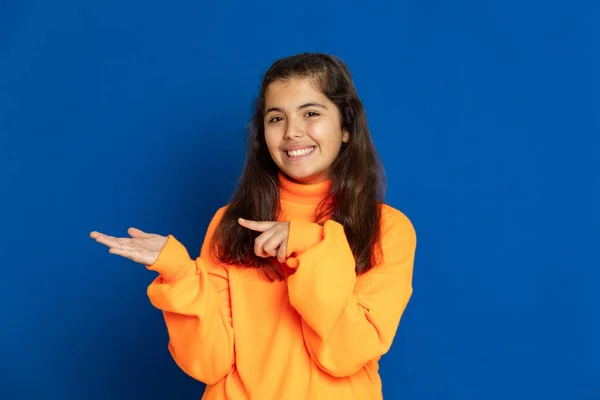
142,248
272,242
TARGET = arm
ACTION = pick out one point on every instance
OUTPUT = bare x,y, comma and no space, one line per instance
349,321
194,298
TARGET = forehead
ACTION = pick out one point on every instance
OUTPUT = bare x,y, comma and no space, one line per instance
292,91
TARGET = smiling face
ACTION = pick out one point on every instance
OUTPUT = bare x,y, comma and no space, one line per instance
302,130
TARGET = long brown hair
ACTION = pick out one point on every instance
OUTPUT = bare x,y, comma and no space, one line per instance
358,180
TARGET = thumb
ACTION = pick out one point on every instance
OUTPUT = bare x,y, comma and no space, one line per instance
137,233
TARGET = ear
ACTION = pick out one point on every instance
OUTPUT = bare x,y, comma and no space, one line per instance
345,137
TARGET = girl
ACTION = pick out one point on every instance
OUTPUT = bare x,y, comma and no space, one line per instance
304,275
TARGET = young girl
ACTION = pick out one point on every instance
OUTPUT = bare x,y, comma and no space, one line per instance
304,275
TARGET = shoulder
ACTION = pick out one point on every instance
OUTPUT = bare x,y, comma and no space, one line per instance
215,220
221,211
217,217
395,223
210,231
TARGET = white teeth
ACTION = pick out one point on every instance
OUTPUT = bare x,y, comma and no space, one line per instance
300,152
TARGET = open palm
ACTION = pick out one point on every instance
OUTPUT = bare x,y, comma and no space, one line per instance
142,247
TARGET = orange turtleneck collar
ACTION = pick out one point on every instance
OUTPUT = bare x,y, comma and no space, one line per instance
305,194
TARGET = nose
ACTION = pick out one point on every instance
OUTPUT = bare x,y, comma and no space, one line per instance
294,129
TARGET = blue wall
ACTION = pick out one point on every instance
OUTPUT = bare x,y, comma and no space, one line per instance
486,113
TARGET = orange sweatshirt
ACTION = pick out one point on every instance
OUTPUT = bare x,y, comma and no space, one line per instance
317,335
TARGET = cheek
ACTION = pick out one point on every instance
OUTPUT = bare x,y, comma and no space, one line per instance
328,136
271,140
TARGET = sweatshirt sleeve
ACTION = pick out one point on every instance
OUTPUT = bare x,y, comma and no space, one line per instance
349,321
194,298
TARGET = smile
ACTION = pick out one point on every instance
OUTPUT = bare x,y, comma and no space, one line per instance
300,152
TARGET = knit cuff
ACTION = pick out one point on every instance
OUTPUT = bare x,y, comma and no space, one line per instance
173,261
301,236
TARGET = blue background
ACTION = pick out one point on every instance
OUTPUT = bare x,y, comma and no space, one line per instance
132,113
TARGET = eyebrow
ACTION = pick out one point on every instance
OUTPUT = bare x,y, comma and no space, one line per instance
305,105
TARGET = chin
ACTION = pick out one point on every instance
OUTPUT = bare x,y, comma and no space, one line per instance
305,178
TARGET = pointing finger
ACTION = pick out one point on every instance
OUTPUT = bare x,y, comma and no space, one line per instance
259,226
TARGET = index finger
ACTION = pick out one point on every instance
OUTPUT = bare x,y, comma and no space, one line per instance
259,226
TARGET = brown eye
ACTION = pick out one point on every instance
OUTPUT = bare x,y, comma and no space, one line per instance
311,114
275,119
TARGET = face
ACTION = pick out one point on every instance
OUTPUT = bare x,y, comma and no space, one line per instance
302,130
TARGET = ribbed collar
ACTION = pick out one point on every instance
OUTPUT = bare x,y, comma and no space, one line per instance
300,193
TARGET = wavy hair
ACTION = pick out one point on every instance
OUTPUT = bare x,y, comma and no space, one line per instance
358,178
